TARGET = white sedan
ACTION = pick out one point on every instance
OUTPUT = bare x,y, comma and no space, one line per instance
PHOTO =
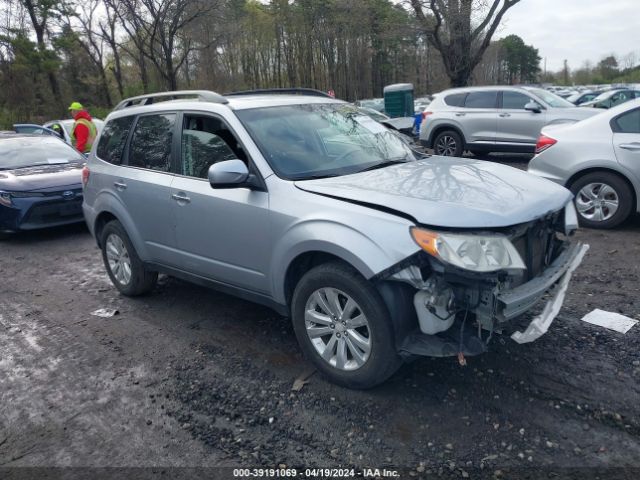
598,159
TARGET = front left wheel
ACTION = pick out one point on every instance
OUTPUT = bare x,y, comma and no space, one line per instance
343,326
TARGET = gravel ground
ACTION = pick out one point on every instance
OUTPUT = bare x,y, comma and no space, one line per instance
187,377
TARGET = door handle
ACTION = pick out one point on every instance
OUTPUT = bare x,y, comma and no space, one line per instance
634,147
181,198
120,185
505,115
460,114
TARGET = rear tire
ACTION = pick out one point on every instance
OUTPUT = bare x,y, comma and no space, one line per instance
126,270
602,200
343,326
448,143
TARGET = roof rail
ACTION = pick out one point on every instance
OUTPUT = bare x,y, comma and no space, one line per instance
149,98
282,91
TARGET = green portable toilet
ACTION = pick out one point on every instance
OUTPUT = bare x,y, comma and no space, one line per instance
398,100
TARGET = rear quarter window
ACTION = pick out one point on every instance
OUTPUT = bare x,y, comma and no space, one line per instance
455,99
113,140
628,122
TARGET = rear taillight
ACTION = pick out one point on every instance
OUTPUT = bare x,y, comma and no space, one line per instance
85,175
544,142
425,114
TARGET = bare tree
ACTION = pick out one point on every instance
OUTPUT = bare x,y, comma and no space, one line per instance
157,28
130,13
41,13
108,32
90,40
460,30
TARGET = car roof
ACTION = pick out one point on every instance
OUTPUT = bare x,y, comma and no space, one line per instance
70,121
12,134
489,87
31,137
240,102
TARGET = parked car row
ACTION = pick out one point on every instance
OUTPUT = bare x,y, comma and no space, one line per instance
596,154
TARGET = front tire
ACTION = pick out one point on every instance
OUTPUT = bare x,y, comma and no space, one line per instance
448,143
343,326
602,200
126,270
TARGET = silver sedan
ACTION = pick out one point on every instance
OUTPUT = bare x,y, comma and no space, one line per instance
598,159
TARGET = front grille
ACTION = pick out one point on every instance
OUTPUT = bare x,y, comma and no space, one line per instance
48,213
536,246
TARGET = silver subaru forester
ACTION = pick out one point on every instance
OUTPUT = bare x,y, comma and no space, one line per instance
297,201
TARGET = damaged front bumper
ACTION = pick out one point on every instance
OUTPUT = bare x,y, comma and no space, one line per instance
520,299
445,299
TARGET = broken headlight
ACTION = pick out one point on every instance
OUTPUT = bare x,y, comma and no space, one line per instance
479,253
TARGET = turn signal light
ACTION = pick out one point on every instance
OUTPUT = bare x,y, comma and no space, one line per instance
426,240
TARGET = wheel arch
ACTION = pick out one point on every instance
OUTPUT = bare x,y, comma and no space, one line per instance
441,128
302,264
397,296
101,220
110,208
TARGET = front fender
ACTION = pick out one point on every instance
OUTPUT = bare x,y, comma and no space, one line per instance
343,241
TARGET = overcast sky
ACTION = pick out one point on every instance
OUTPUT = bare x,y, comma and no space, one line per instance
577,30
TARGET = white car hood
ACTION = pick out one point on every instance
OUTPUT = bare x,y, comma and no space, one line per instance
446,192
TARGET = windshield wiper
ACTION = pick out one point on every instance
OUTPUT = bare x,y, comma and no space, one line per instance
317,176
385,163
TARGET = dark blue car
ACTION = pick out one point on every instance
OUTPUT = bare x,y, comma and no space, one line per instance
40,183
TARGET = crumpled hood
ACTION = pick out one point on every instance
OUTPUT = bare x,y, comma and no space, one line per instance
42,178
453,193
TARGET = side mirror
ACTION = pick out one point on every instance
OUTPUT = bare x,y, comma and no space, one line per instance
231,174
533,107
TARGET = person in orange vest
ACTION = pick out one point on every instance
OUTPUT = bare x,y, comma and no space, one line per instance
84,131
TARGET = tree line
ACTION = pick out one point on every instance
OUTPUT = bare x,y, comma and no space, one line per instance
100,51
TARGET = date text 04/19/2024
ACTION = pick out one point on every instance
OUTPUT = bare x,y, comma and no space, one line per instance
315,473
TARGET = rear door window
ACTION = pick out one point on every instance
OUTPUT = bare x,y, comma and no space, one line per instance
113,140
481,100
152,141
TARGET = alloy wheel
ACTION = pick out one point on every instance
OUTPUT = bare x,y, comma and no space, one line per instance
338,329
597,202
118,259
446,146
